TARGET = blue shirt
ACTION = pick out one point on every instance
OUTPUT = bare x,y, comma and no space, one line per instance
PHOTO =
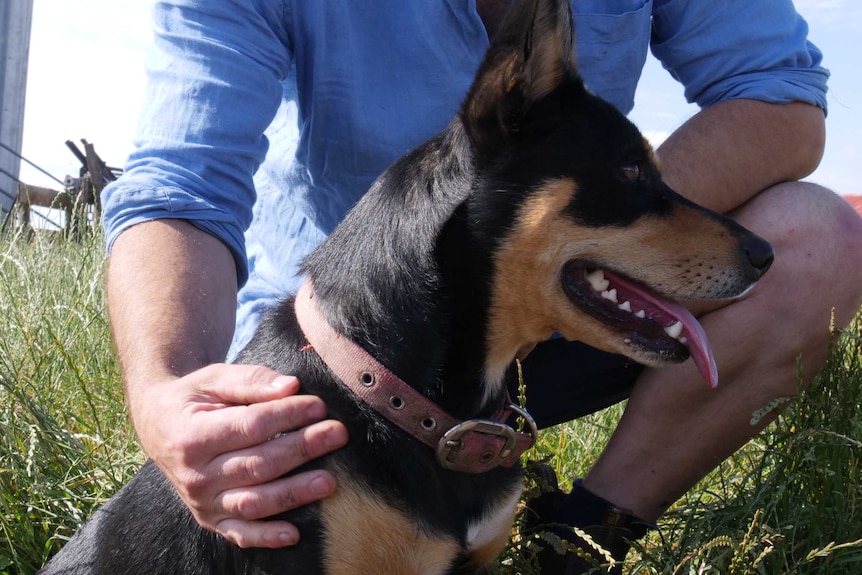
266,120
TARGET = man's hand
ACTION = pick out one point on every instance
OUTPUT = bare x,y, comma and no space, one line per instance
227,437
224,435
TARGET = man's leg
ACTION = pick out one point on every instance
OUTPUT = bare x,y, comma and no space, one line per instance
675,429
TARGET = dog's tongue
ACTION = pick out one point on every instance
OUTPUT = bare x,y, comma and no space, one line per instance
696,341
667,313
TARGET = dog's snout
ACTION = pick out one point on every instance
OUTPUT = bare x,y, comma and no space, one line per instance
760,255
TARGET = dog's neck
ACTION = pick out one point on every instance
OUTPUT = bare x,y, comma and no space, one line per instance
413,292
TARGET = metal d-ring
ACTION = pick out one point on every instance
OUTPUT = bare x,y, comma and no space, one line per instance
528,419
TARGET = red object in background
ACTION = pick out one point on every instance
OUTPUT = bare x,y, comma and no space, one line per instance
856,202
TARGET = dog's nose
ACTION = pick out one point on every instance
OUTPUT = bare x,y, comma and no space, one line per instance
760,255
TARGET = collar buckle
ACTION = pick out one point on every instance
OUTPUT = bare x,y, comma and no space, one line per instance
475,442
478,445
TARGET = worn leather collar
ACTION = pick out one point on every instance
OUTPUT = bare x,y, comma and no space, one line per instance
471,446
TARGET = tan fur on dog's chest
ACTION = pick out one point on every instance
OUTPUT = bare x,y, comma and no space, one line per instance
363,534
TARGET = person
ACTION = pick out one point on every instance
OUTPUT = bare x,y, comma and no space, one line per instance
266,120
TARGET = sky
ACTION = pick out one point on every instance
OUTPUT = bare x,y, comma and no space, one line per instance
86,80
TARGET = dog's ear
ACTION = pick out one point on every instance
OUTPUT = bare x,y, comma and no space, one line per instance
531,56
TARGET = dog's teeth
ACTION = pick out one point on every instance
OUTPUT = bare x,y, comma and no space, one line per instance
610,294
625,306
597,280
640,313
683,340
674,330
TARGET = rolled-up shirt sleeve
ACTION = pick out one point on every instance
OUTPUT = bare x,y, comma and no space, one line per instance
739,49
214,84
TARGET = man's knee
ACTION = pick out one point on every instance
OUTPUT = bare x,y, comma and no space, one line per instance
817,236
791,209
817,271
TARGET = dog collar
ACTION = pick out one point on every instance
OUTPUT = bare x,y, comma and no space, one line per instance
472,446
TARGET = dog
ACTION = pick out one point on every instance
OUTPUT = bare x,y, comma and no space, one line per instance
539,210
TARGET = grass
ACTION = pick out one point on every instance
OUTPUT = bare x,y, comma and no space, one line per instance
790,502
65,443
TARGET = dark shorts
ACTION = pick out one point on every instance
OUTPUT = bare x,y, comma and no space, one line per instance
566,380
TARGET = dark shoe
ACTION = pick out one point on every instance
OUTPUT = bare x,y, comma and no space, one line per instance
553,514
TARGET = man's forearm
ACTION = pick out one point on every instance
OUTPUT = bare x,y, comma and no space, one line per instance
726,154
171,298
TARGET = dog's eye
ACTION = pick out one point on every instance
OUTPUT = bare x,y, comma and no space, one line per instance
632,172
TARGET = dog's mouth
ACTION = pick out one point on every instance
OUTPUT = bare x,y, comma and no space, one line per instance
660,329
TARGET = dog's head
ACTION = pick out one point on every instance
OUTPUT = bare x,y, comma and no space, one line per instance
588,241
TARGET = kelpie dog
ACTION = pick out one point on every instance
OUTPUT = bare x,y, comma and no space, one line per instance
538,210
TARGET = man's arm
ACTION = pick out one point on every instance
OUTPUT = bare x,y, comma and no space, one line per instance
175,287
726,154
171,298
